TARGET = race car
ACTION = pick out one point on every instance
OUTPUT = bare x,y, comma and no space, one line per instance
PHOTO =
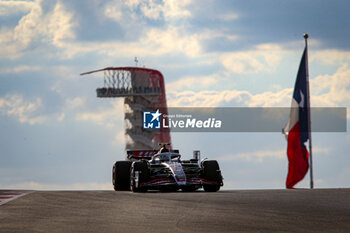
165,171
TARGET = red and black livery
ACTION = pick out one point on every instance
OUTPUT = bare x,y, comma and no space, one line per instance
164,170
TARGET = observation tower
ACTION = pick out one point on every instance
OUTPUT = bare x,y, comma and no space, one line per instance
143,89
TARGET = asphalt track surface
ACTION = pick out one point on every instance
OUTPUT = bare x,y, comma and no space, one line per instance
326,210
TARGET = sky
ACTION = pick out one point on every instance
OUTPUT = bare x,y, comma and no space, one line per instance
55,133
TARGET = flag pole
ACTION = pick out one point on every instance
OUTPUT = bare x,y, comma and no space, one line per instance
306,36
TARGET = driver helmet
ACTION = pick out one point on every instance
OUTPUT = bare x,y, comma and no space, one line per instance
163,150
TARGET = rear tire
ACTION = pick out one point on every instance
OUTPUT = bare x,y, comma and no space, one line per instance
211,172
121,176
142,168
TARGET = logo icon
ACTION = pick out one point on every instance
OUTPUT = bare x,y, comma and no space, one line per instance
151,120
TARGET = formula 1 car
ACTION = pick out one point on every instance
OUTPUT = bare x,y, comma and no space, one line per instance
165,171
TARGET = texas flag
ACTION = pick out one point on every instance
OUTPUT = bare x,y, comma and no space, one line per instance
296,129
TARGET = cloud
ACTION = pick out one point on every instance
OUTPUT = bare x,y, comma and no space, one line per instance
38,27
331,90
114,11
228,16
75,103
263,58
173,39
261,155
19,69
107,117
72,107
232,98
33,111
151,9
155,42
176,9
60,25
281,98
25,111
330,57
120,138
57,26
192,82
326,91
206,98
257,156
15,7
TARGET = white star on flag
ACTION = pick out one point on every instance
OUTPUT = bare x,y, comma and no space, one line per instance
301,103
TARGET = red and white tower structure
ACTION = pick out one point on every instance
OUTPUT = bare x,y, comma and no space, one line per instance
143,89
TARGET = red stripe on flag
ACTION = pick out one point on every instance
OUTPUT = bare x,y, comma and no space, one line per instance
297,157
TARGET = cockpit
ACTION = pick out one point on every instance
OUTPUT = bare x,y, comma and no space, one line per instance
167,157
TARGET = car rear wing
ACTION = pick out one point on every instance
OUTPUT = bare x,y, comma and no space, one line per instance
140,154
143,154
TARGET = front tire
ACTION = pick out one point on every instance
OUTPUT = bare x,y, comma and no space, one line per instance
140,167
211,172
121,176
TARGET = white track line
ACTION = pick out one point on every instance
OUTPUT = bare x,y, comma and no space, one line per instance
10,195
